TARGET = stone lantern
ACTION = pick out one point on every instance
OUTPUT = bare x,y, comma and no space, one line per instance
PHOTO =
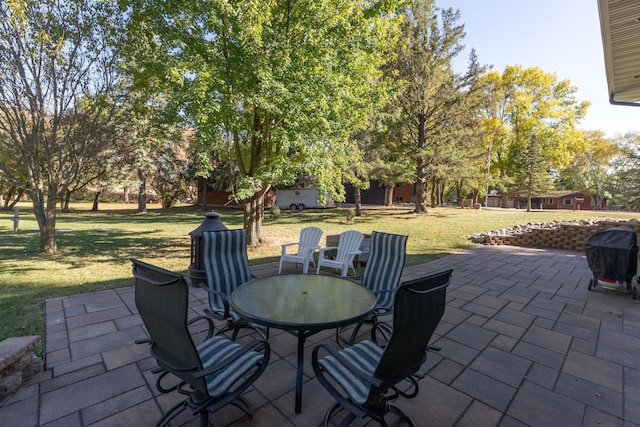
196,268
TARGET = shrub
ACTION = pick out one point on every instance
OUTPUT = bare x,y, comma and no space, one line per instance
274,211
350,214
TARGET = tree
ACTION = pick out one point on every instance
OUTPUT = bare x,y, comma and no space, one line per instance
531,176
434,96
624,173
531,117
173,176
59,96
275,87
590,170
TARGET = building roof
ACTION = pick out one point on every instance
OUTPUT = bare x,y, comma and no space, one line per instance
551,195
557,195
620,27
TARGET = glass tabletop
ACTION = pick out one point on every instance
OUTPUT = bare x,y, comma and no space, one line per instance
302,301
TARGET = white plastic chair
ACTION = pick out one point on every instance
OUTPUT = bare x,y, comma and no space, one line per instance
308,244
348,247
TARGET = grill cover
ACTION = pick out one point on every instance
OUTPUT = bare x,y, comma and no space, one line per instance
612,253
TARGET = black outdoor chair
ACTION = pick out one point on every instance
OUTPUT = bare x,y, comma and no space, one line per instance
211,374
382,276
226,267
363,378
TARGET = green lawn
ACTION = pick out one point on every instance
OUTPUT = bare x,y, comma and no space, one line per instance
95,247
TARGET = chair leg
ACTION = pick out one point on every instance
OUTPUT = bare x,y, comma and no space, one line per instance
400,413
172,413
204,419
332,411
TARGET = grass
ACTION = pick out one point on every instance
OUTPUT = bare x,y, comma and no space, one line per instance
95,247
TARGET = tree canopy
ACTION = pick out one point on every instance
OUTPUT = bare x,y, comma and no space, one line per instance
435,100
59,95
531,121
276,87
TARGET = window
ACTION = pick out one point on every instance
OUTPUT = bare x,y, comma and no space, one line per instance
567,202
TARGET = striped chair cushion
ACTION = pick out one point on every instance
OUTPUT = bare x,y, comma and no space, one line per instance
216,349
365,355
384,266
226,262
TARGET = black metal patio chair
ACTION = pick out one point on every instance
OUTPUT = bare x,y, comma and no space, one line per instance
226,267
364,378
211,374
381,275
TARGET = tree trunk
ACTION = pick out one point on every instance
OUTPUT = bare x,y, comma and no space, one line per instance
10,197
434,193
142,192
10,202
253,210
421,170
358,199
388,195
205,193
421,187
45,213
126,194
253,215
505,200
65,201
421,197
94,208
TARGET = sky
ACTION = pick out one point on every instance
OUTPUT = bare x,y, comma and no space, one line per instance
559,36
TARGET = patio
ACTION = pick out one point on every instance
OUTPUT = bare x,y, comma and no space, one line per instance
523,343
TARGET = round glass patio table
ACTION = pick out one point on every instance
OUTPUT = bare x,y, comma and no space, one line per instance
303,304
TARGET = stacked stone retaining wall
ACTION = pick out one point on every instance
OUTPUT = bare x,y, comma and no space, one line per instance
565,236
18,363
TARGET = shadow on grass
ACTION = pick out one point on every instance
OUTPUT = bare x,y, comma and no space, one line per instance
78,248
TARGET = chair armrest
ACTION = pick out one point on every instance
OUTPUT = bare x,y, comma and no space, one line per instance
327,249
225,299
284,247
350,366
207,319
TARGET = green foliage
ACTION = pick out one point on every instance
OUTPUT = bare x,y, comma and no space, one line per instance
435,103
349,214
274,212
274,88
591,168
61,89
526,105
623,184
